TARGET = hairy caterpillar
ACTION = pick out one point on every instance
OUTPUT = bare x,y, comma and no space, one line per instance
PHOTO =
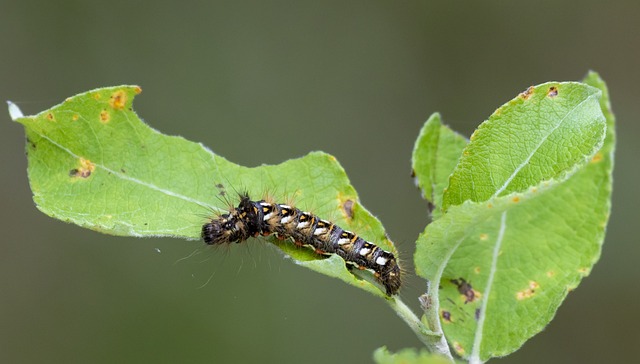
253,218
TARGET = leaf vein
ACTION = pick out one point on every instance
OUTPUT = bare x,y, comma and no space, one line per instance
475,353
533,152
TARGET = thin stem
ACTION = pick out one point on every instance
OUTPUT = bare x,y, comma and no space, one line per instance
434,341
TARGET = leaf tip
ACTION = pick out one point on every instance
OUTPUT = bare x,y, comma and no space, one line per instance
14,111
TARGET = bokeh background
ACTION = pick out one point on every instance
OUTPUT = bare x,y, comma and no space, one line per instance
262,82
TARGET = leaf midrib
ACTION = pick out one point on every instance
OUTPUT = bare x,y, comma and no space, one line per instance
131,179
533,152
477,340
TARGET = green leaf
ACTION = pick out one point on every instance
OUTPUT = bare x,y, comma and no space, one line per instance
435,155
94,163
503,258
540,135
407,356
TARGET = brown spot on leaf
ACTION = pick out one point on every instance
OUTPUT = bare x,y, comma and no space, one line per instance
458,348
105,116
597,158
97,96
553,91
85,169
75,117
50,117
467,291
484,237
347,207
118,100
137,89
446,316
526,94
528,292
516,199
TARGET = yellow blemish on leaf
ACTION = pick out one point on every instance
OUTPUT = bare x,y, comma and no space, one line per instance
137,90
105,116
489,205
516,199
85,169
484,237
75,117
528,292
118,100
551,273
458,348
534,189
597,158
476,270
584,271
97,96
526,94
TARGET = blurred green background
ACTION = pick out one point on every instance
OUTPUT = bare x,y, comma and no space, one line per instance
262,82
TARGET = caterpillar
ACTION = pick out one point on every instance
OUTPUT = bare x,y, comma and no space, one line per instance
254,218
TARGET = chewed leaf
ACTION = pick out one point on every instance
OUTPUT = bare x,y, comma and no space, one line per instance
435,155
94,163
504,265
540,135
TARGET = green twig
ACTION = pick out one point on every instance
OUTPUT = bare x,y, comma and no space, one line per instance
433,340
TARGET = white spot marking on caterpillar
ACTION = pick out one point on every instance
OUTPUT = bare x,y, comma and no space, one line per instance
381,261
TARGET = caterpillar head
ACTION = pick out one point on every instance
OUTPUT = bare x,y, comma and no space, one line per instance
225,229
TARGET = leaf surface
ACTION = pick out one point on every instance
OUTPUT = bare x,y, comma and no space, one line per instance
435,155
543,133
526,220
94,163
